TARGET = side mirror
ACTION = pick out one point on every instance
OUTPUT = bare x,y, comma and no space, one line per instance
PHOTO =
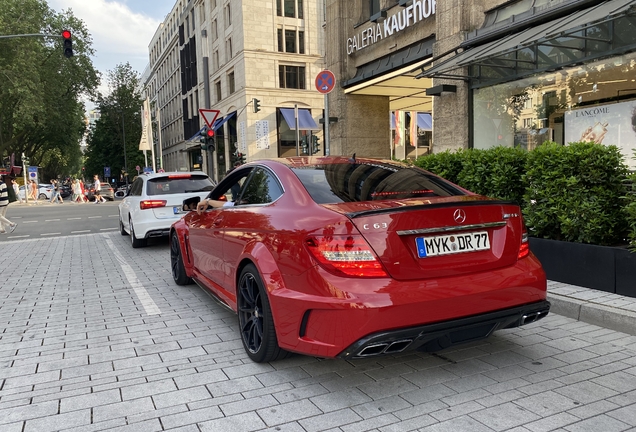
190,204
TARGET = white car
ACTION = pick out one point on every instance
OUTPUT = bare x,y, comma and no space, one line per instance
44,191
154,202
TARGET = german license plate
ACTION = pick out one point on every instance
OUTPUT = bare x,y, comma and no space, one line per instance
177,209
452,244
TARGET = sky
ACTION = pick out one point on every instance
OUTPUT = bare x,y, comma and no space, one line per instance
121,29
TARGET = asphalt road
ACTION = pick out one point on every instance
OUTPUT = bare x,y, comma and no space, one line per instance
60,220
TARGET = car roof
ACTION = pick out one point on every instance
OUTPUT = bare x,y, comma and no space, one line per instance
169,173
307,161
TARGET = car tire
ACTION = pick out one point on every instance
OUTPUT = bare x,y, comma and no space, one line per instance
176,262
256,323
122,231
42,196
136,242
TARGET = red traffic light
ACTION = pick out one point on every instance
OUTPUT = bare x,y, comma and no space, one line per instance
66,34
210,133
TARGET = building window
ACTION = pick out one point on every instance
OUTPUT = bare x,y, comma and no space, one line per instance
217,87
291,77
214,31
290,41
230,82
193,20
228,16
228,49
215,61
287,41
374,7
289,8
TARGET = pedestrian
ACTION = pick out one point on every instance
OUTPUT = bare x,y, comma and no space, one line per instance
77,191
16,189
33,191
97,185
4,204
56,192
82,191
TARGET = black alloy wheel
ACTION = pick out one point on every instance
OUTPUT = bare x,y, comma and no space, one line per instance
255,318
176,262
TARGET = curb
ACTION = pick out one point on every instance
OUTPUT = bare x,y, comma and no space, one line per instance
613,318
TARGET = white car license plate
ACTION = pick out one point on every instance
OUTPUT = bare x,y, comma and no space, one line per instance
177,209
452,244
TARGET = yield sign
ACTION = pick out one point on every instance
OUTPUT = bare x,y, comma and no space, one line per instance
209,116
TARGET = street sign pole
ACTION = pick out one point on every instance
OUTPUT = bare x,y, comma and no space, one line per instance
325,83
326,124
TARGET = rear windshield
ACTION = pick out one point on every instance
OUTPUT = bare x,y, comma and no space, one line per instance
349,182
176,185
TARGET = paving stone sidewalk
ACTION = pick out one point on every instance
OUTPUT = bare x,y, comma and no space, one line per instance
96,336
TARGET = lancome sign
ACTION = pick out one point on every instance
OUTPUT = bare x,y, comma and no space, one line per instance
418,11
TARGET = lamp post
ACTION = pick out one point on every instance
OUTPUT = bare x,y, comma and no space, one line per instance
123,132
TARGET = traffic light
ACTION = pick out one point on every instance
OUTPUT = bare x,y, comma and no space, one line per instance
68,43
206,138
240,157
304,144
315,144
257,105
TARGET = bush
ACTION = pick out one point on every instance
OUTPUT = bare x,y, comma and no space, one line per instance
496,172
630,211
576,193
444,164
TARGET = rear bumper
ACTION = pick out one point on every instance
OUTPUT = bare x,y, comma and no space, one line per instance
434,337
353,314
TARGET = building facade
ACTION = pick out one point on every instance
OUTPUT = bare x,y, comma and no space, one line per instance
252,61
488,72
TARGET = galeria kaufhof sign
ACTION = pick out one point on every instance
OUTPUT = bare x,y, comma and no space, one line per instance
418,11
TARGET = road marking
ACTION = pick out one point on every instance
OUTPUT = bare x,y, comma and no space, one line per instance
108,229
147,302
94,217
51,220
73,218
22,236
26,222
49,234
113,215
77,232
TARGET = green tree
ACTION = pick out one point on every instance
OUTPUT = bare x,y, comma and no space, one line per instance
120,114
41,91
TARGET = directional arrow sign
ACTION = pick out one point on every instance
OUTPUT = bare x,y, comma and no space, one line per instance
209,116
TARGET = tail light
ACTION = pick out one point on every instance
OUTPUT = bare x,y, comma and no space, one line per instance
148,204
524,248
345,256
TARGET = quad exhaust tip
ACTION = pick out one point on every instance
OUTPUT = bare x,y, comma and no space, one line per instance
385,348
532,317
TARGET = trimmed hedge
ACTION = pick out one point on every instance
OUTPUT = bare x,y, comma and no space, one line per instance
573,193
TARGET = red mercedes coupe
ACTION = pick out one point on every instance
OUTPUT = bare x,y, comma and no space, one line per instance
353,258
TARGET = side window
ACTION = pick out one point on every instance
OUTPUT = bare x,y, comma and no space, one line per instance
261,188
135,189
230,187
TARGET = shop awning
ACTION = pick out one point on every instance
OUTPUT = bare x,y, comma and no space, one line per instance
219,122
564,41
305,120
425,121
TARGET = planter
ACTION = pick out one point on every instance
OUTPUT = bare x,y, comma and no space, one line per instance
604,268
